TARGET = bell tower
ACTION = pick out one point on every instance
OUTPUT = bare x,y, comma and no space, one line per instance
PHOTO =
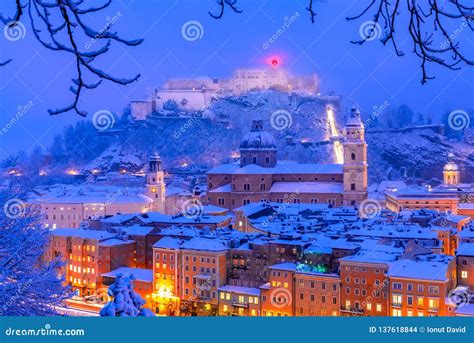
355,160
451,175
155,184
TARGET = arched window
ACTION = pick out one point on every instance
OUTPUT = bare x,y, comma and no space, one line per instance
353,157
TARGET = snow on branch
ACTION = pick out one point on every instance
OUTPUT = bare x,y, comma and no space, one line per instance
60,26
428,26
232,4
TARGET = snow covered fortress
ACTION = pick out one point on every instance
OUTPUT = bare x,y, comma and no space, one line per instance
260,177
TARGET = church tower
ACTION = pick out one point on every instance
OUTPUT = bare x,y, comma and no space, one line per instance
258,147
355,160
451,175
155,184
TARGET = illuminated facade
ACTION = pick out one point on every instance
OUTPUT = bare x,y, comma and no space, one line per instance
259,176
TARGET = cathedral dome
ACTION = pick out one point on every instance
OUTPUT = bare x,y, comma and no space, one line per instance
451,165
258,139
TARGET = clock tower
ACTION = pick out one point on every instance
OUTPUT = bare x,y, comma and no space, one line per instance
355,160
155,184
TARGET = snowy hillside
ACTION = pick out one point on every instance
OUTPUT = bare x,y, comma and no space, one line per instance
194,142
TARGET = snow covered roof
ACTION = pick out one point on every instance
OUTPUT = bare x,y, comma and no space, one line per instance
465,310
416,269
279,168
465,249
393,231
139,274
258,139
240,290
168,243
82,233
307,187
222,189
114,241
204,244
368,256
136,230
467,232
73,194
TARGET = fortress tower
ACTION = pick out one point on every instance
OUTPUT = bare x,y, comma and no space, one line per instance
155,183
355,160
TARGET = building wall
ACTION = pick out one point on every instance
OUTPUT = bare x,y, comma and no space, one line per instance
187,99
364,289
465,271
69,215
238,304
317,295
140,110
278,299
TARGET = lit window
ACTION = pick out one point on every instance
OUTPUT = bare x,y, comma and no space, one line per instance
227,296
224,308
241,298
420,301
464,274
379,307
222,295
369,307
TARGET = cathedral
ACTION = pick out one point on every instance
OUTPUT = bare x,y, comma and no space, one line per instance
261,177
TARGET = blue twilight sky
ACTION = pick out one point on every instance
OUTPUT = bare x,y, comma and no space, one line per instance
370,74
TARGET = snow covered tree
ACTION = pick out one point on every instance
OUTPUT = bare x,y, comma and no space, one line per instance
126,302
29,285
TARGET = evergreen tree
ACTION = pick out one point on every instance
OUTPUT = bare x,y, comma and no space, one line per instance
126,302
29,284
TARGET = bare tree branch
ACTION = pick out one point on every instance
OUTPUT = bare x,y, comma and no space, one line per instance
427,26
222,4
59,26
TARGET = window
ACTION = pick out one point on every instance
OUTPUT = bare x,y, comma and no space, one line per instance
410,300
396,312
433,289
397,285
464,274
246,186
396,299
353,186
220,201
369,307
353,157
379,307
433,303
420,301
224,308
420,288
